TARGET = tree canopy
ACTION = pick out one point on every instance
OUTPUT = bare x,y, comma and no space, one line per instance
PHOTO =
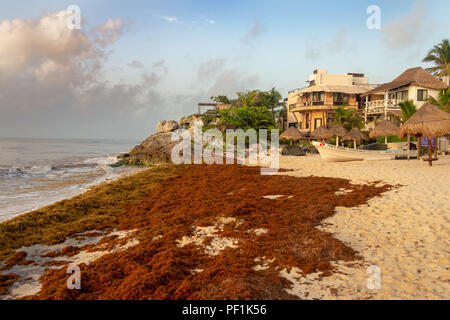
348,118
247,118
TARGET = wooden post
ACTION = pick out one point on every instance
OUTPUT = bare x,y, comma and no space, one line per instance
430,153
418,148
409,146
337,141
366,109
436,147
385,140
386,102
354,143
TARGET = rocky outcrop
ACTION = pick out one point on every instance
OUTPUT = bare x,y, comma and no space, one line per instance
189,122
156,148
298,151
166,126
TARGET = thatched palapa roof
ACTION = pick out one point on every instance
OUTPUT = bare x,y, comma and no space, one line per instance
428,121
384,129
338,130
414,76
322,133
292,134
354,134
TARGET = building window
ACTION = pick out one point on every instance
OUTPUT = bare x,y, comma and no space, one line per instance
307,122
318,96
293,125
402,95
340,98
317,123
422,95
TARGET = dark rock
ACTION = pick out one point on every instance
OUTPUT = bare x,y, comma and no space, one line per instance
155,149
292,151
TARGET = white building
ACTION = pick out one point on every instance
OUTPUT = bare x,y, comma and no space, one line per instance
414,84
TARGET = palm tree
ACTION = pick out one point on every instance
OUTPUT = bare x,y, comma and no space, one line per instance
273,99
247,99
443,102
440,56
408,109
347,118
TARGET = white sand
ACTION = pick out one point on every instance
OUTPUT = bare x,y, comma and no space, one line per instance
405,232
217,244
29,275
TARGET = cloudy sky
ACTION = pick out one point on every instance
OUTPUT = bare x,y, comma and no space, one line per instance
134,63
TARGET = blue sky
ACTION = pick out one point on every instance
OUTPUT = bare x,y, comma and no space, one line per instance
197,48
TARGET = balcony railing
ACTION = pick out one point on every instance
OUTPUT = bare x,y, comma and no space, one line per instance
309,104
382,106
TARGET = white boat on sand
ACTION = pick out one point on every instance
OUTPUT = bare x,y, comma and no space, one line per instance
339,154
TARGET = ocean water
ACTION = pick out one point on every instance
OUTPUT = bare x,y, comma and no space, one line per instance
38,172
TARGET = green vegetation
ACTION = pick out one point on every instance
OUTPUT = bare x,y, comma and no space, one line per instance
221,99
119,164
440,57
443,102
252,118
247,118
348,118
392,139
97,209
408,109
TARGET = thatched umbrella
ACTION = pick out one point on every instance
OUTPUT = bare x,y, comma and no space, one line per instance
429,121
385,129
338,131
356,135
291,134
322,133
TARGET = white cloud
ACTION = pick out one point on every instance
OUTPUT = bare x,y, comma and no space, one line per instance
210,21
408,30
231,81
339,41
210,68
51,76
136,64
255,32
161,65
337,45
170,19
108,33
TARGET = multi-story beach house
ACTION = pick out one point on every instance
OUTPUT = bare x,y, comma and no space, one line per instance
311,107
414,84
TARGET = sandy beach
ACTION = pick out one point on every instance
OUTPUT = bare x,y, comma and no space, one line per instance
405,232
226,232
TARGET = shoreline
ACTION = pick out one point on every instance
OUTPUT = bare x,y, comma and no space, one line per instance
359,228
35,186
